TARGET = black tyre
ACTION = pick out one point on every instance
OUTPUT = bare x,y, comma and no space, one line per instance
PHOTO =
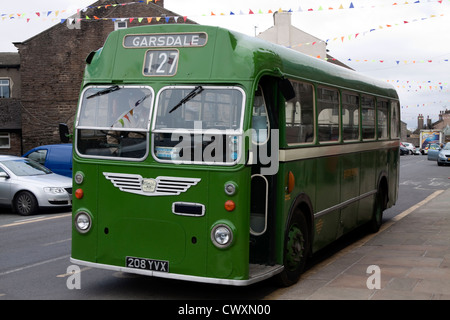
25,203
379,207
296,250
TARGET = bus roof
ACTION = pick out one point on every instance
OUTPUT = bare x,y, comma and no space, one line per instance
225,56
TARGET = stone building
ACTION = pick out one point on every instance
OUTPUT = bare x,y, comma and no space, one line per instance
10,107
53,61
443,123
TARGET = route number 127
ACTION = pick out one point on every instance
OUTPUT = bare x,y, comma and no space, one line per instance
161,62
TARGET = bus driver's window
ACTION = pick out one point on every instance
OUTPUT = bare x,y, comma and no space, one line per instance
260,120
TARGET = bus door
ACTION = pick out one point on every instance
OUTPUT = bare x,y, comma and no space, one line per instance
264,139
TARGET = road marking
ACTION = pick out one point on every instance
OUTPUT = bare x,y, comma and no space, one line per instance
55,242
32,220
34,265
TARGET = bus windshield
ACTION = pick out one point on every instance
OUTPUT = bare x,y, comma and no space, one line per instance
202,121
213,107
113,121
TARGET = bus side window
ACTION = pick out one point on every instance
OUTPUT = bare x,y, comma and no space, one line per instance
368,117
328,110
300,114
382,115
395,116
260,120
350,116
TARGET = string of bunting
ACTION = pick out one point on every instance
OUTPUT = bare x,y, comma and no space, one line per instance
439,88
385,61
359,34
416,86
45,14
426,104
182,19
340,39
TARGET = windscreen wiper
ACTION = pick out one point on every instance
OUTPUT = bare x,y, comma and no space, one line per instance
142,99
189,96
104,91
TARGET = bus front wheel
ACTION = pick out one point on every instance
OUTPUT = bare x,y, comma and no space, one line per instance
296,249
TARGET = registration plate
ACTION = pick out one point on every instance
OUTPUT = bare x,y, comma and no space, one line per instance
147,264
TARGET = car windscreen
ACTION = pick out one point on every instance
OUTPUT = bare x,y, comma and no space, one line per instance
26,167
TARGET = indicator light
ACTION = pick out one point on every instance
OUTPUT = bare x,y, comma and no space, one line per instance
79,193
230,205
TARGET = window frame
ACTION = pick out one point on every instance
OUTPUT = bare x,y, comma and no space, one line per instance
301,125
7,137
351,93
333,124
373,125
8,85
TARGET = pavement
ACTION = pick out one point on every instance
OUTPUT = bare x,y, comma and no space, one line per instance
408,259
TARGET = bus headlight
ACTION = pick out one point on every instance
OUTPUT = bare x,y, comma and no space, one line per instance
221,236
83,222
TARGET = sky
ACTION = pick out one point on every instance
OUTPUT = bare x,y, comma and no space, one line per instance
405,43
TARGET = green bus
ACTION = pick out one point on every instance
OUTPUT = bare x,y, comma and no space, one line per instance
206,155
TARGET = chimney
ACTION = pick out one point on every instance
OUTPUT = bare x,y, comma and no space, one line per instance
428,122
420,122
282,23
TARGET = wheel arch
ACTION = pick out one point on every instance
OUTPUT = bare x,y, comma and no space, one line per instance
383,186
303,204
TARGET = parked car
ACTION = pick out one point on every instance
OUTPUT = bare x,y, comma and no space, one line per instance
403,150
432,146
27,186
444,155
433,151
56,157
412,149
441,155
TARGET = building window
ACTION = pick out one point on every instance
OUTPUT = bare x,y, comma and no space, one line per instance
5,141
5,91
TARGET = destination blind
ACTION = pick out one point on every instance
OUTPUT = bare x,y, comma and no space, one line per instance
197,39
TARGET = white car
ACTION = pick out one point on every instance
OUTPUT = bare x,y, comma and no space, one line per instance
27,186
412,149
